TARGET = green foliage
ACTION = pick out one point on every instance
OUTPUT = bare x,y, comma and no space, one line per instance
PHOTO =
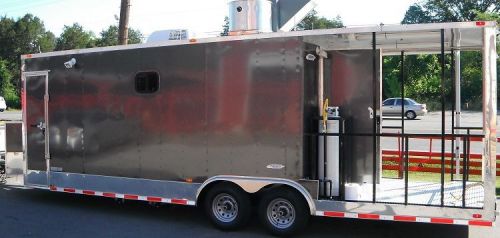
109,36
27,35
47,42
7,89
24,35
488,16
75,37
423,82
422,78
225,27
312,21
449,10
391,77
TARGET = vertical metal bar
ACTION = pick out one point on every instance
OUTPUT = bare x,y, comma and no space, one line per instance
452,76
400,157
402,79
468,155
430,148
341,164
374,121
458,102
407,166
315,141
46,129
321,83
488,174
463,171
442,116
24,81
324,161
402,87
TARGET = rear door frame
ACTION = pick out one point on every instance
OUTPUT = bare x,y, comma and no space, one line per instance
24,77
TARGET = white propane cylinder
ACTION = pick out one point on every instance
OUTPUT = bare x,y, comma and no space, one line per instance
333,156
352,191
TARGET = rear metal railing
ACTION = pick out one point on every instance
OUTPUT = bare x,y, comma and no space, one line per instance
407,168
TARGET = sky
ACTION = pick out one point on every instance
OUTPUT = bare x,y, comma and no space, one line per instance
200,17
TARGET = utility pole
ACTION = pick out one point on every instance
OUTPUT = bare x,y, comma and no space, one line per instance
123,27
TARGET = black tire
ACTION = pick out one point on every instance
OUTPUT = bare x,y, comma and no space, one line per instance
1,110
411,115
228,206
283,211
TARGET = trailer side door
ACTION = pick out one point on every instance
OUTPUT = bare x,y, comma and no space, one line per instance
35,117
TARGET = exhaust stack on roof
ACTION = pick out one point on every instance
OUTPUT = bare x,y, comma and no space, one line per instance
259,16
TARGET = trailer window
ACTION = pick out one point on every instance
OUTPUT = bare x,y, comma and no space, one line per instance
147,82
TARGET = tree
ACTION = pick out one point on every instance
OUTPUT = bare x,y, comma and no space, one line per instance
449,10
424,76
8,39
109,36
7,88
47,42
75,37
312,21
24,35
225,27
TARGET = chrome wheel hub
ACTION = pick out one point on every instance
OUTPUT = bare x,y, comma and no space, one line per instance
225,207
281,213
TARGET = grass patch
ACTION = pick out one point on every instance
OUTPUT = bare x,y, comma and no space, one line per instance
433,177
425,176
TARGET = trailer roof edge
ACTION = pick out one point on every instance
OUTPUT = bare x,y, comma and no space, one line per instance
346,30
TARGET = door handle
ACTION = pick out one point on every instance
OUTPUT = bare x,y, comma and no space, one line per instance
40,126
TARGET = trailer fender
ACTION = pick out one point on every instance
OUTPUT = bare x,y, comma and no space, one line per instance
254,184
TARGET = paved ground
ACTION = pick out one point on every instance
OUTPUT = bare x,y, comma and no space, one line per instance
431,124
37,213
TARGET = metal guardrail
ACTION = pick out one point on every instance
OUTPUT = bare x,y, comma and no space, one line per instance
406,157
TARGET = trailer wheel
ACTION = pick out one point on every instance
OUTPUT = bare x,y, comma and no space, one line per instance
228,206
283,211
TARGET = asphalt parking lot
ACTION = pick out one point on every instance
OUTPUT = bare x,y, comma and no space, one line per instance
39,213
431,124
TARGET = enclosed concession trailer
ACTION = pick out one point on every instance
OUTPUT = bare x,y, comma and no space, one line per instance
208,122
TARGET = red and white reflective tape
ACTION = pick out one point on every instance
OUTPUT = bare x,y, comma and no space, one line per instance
123,196
434,220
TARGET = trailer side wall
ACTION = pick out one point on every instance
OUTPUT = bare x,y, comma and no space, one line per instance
222,108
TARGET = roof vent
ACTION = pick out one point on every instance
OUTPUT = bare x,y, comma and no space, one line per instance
259,16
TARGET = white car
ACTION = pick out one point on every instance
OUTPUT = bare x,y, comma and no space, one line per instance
3,106
412,109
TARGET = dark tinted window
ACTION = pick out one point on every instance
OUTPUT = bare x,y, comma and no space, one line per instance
398,102
147,82
408,102
389,102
